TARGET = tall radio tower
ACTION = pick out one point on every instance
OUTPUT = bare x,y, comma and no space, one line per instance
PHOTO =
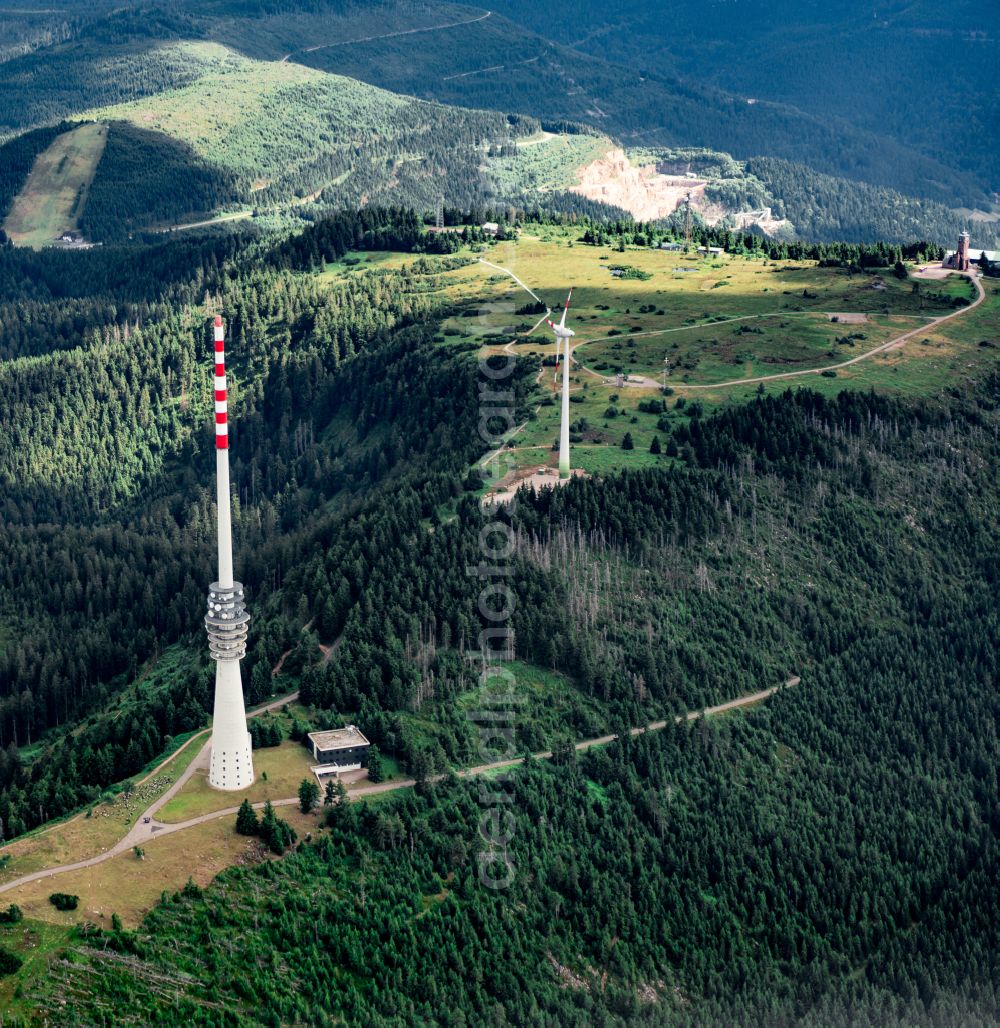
231,766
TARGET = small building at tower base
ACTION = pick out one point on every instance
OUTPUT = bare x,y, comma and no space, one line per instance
338,750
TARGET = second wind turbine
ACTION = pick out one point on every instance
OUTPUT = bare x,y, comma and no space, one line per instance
563,336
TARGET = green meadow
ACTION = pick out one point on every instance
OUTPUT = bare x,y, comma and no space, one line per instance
705,321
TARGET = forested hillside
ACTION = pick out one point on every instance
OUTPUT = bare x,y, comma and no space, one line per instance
105,466
821,208
913,72
645,105
24,29
18,157
476,58
357,429
256,123
826,208
828,853
267,133
805,864
107,60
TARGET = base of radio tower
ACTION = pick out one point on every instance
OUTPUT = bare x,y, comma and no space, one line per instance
230,764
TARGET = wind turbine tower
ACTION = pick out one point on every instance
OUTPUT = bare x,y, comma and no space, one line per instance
227,621
563,336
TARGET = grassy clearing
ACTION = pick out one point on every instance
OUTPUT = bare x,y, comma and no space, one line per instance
545,162
81,836
765,318
597,791
285,766
55,194
78,835
391,768
35,942
692,289
549,706
951,355
127,885
130,886
380,799
223,114
596,435
741,349
356,262
725,317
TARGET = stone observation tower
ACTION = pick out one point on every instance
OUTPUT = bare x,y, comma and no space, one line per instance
962,262
231,766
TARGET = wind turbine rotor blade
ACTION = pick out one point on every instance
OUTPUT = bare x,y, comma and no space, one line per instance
562,323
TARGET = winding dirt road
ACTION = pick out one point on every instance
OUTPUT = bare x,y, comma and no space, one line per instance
527,289
142,833
643,382
930,326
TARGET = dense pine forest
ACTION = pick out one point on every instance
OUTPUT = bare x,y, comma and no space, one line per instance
106,472
799,864
910,71
827,859
497,63
337,391
18,157
823,850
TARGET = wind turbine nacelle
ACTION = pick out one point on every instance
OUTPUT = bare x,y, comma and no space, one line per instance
562,332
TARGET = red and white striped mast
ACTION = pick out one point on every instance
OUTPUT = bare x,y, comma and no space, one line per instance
222,458
227,622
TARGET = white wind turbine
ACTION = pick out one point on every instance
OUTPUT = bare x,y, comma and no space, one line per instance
563,336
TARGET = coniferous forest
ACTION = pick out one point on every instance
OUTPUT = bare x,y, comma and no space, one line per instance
830,857
731,753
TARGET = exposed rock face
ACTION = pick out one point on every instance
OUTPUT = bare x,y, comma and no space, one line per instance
763,219
643,192
648,194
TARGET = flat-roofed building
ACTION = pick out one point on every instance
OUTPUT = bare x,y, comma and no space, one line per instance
340,749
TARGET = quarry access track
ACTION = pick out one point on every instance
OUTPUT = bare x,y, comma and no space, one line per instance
144,833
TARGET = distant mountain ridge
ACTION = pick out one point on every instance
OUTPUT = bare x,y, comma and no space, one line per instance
230,104
919,75
476,57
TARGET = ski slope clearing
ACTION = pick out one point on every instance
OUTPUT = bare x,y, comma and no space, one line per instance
55,194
